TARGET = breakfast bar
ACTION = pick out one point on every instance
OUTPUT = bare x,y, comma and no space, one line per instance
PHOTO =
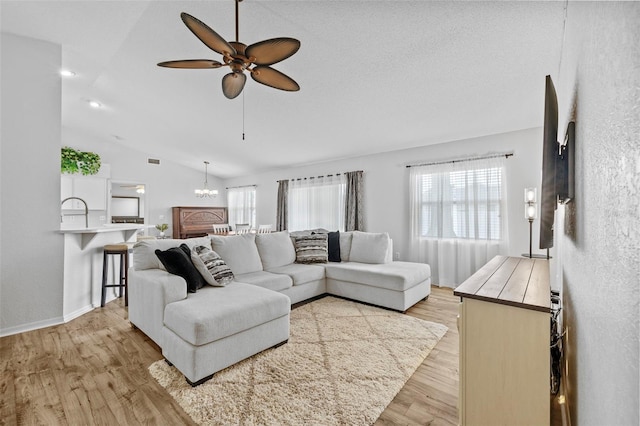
83,264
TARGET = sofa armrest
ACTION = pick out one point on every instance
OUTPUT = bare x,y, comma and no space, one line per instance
150,291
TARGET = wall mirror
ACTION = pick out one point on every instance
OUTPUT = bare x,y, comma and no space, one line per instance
127,202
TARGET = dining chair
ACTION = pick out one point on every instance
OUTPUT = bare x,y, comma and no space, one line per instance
221,229
242,228
264,229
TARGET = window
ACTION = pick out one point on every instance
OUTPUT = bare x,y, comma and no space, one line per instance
241,202
458,216
317,203
461,203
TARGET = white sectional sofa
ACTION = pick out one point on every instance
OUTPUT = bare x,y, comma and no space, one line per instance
203,332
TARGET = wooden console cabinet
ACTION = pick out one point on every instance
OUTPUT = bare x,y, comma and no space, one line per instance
191,222
504,343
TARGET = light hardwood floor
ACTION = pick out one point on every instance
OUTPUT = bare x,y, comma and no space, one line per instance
93,370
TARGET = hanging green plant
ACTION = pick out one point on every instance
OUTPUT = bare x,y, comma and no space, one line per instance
72,161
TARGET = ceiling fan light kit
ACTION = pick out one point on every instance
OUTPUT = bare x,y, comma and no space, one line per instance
256,58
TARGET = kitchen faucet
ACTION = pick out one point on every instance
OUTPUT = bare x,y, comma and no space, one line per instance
86,210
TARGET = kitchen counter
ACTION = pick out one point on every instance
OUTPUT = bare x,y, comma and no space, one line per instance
83,264
88,234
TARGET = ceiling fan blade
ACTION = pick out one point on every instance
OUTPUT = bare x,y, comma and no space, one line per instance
191,64
274,78
269,52
207,35
233,83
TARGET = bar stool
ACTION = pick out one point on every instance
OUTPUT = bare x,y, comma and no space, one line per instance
121,250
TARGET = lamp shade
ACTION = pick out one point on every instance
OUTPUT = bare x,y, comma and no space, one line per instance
530,211
530,195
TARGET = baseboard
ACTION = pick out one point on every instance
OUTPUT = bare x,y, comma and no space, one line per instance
560,414
23,328
564,406
77,313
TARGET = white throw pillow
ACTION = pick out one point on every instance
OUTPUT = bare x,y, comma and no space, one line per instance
369,247
239,251
275,249
345,245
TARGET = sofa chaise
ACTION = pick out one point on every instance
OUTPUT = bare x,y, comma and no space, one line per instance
206,331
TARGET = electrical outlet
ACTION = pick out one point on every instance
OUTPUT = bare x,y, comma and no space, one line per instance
396,255
161,217
103,218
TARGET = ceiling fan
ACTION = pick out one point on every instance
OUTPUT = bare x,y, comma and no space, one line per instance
256,58
139,188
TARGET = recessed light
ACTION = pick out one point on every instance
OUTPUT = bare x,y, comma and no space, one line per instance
95,104
67,73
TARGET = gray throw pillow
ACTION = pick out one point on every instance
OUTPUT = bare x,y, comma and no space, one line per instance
311,248
211,266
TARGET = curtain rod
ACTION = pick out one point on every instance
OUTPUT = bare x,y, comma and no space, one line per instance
241,186
319,177
505,155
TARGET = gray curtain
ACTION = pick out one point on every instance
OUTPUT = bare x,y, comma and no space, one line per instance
282,212
353,206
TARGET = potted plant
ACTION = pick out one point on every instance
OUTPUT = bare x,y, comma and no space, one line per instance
73,161
162,227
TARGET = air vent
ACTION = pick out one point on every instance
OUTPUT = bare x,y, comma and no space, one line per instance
153,161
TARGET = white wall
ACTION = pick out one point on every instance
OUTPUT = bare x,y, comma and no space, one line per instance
31,267
386,182
166,185
31,137
599,238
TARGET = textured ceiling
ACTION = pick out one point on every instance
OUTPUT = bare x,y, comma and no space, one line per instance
375,76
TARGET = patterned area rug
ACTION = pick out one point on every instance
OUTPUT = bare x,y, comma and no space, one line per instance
343,364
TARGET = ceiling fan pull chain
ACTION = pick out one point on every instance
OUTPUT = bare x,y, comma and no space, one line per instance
242,114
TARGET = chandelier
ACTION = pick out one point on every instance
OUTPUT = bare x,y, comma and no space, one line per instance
206,192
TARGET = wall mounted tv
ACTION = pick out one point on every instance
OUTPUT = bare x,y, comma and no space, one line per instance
557,165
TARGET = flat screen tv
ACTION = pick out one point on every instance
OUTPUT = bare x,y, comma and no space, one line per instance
548,193
557,166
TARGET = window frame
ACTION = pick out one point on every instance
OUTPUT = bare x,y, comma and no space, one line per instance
459,209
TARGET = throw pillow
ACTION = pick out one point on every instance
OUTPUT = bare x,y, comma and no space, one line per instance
239,251
345,245
369,247
333,243
334,246
311,248
177,262
275,249
213,269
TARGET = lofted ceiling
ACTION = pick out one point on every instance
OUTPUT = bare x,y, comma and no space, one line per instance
375,76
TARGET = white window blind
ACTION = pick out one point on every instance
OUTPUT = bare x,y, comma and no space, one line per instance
317,203
241,205
461,203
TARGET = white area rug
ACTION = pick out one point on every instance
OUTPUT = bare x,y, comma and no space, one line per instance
343,364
